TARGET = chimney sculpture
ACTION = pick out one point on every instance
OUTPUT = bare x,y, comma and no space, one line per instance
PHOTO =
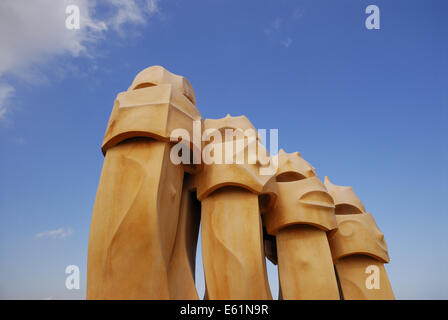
136,212
233,195
303,213
358,248
148,207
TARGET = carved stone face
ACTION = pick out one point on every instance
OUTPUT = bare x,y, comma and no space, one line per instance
358,234
157,102
235,159
302,197
157,75
345,199
292,167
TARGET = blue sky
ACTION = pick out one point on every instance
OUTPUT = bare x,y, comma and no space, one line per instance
368,108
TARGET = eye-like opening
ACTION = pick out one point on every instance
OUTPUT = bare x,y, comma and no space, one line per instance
289,177
186,95
145,85
347,209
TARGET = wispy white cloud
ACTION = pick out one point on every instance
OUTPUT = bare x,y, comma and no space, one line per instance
60,233
33,33
280,29
132,12
273,27
6,91
287,42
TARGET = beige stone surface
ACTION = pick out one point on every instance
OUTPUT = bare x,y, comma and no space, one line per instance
356,245
157,103
304,201
147,211
134,223
345,198
135,228
358,234
244,174
305,266
352,278
303,212
233,197
232,248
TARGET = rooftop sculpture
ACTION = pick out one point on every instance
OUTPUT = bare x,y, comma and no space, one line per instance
148,210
